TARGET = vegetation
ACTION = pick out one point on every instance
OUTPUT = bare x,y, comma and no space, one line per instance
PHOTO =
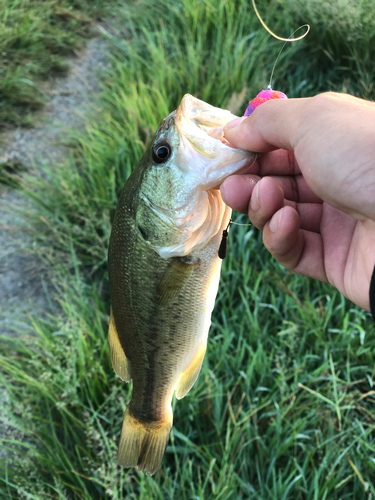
284,405
35,38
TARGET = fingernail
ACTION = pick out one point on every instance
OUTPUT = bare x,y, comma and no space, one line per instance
223,192
234,123
254,202
275,221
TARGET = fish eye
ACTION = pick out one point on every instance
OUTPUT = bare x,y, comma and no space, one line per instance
161,152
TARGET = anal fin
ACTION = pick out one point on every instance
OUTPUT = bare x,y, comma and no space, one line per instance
190,375
120,362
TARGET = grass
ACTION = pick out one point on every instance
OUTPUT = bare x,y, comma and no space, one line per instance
284,405
152,68
341,46
10,172
149,75
35,38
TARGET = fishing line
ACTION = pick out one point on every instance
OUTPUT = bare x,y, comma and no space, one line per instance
263,96
282,48
285,40
239,224
277,36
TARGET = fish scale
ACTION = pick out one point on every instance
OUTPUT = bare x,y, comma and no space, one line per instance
164,271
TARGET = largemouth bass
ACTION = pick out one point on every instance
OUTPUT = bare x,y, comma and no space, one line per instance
164,270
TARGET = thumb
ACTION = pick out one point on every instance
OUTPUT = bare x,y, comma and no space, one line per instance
273,125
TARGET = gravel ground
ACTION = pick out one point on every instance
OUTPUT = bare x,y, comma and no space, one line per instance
69,97
24,287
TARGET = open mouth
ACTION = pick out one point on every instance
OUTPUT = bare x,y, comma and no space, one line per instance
203,115
202,125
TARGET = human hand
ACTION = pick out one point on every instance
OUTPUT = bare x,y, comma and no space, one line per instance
313,191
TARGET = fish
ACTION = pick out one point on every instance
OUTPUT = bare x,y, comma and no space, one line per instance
164,270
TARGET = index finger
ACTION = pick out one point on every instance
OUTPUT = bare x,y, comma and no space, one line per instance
278,162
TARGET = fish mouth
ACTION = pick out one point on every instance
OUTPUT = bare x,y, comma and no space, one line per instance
200,128
203,115
203,161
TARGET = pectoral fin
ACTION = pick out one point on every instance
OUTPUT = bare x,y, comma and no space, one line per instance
120,362
174,280
190,375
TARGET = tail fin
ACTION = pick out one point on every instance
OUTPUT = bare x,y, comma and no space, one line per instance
143,445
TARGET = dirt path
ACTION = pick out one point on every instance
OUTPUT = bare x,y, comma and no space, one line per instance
21,287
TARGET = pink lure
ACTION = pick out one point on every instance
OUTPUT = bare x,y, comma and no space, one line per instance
263,96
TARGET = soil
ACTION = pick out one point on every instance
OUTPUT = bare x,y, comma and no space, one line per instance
22,288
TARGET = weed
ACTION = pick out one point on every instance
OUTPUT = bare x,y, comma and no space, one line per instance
283,407
35,38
